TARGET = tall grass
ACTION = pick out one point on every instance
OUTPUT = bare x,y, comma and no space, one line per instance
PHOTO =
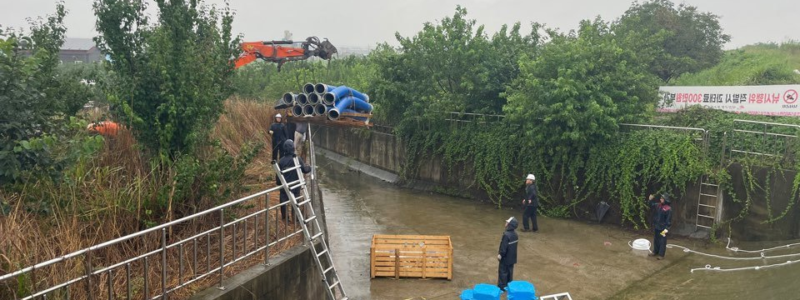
108,195
762,64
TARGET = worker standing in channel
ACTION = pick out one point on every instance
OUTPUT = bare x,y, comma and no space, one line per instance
662,219
287,162
300,136
531,203
278,132
507,254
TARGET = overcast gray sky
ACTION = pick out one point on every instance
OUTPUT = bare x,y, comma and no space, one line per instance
363,23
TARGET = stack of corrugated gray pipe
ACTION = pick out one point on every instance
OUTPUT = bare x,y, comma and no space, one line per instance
326,100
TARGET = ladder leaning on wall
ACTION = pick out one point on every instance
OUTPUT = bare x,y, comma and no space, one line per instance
707,203
319,248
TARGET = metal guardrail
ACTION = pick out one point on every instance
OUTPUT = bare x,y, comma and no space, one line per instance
759,141
455,116
97,279
703,137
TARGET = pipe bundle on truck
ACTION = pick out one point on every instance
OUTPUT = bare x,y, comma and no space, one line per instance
321,102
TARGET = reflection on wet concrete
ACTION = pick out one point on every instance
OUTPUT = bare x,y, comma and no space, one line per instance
588,260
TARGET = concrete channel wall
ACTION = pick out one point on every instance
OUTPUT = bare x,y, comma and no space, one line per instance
386,153
291,274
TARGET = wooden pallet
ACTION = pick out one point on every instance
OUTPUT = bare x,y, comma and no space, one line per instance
418,256
345,120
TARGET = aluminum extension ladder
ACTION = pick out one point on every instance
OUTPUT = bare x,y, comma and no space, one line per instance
561,296
321,254
707,203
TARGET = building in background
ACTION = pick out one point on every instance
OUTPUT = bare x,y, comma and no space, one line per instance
79,50
350,50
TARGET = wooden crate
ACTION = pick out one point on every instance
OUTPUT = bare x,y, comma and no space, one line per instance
419,256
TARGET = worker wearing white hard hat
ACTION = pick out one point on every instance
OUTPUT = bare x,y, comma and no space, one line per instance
507,254
279,135
530,204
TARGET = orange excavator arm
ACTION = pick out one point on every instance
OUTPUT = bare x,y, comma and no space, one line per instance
282,51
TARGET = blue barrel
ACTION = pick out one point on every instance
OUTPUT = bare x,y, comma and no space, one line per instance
466,295
486,292
521,290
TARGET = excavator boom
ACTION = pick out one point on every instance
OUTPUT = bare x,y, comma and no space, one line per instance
282,51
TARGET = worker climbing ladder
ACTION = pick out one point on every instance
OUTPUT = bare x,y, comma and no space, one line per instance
707,204
316,238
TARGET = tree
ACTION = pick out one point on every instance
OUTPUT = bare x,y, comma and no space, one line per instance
450,66
682,38
28,65
577,91
172,76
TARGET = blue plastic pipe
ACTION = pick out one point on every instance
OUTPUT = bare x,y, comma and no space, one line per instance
354,104
289,99
302,99
320,109
321,88
308,110
308,88
342,92
349,104
297,110
313,98
334,114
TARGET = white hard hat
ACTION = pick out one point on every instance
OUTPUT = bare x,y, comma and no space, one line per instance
530,177
278,115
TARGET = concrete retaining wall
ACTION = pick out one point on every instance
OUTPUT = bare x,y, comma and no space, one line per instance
290,275
753,226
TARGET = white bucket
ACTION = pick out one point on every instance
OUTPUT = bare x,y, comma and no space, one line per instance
640,247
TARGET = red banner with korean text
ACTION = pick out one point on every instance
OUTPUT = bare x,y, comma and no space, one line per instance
772,100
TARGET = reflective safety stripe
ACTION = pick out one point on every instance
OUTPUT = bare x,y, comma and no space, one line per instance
514,242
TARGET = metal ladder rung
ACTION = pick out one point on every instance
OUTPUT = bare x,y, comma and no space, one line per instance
310,219
291,169
704,216
316,236
327,270
698,225
708,195
323,253
711,206
333,285
291,187
304,202
709,184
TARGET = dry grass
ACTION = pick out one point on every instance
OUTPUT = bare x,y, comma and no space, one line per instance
247,121
106,200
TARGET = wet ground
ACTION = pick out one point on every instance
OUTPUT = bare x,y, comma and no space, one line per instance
587,260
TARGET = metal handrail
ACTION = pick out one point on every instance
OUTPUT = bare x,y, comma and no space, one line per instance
766,123
765,135
196,275
665,127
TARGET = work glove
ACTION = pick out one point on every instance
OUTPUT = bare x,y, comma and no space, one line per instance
499,257
664,232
